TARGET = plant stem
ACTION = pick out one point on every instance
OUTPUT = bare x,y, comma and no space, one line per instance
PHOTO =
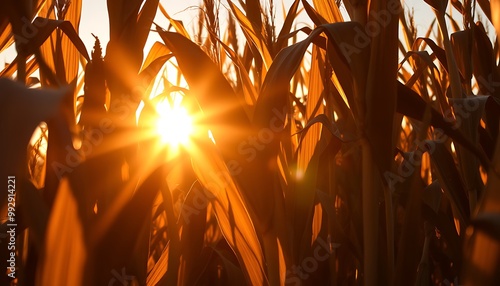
389,218
370,216
173,233
456,90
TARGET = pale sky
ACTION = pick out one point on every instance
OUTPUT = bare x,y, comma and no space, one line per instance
94,19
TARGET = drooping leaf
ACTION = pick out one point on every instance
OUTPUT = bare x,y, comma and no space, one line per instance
178,26
316,17
232,214
158,50
412,105
46,27
438,51
212,90
223,111
60,51
450,179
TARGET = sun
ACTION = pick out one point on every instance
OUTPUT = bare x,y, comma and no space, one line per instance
174,124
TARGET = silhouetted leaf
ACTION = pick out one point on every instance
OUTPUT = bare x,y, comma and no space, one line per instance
22,111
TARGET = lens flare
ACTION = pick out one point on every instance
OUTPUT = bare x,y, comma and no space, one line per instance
174,124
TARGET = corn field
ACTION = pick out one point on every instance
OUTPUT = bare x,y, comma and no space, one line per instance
242,150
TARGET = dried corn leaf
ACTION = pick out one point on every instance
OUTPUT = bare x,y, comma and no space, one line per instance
252,35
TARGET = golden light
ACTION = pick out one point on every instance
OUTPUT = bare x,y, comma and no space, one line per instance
174,125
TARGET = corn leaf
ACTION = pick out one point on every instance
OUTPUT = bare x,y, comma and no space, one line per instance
178,26
160,268
450,179
22,110
46,30
412,105
65,250
59,52
317,18
438,51
223,113
252,35
329,10
287,25
5,37
411,239
232,215
193,230
495,6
